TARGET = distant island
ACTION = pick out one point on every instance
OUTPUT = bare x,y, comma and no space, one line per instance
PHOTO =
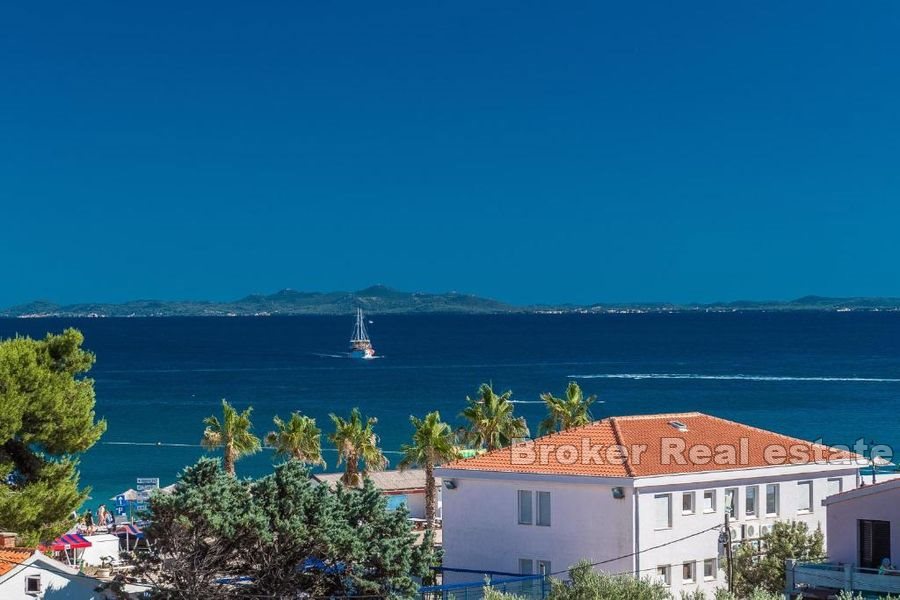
384,300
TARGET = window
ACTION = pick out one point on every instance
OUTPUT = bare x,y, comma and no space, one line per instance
525,566
33,584
804,497
709,569
731,502
874,542
835,486
772,499
751,494
687,503
709,501
664,572
687,572
662,504
543,567
525,508
543,508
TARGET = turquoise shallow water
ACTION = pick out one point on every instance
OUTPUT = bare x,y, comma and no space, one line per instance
834,376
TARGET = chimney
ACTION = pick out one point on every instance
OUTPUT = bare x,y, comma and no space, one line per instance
7,539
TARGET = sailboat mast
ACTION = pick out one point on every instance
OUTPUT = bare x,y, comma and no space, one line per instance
359,331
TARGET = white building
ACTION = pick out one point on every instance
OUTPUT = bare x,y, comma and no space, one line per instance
27,574
643,495
864,531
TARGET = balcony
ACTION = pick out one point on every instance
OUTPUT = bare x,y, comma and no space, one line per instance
810,578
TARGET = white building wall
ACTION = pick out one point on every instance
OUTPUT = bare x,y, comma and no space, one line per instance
102,546
415,503
706,545
481,529
56,583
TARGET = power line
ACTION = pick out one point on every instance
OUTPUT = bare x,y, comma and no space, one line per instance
631,554
181,445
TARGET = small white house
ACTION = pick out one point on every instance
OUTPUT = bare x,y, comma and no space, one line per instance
27,574
642,495
863,533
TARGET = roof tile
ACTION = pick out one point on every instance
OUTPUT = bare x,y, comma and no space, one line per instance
10,557
652,445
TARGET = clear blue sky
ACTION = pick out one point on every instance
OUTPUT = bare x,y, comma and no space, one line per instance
526,151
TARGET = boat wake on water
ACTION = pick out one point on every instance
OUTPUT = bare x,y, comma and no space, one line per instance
735,377
326,355
345,355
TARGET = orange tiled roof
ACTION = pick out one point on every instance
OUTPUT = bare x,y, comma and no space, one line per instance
10,557
650,445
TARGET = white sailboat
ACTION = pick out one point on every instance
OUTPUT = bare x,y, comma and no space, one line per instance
360,345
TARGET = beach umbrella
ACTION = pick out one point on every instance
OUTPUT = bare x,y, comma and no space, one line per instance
169,489
130,495
130,531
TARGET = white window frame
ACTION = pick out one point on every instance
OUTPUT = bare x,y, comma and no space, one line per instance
840,485
751,508
808,492
30,579
656,499
711,494
665,572
692,564
530,504
777,488
539,499
693,502
715,569
735,502
545,564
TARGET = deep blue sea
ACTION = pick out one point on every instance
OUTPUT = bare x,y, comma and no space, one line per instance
814,375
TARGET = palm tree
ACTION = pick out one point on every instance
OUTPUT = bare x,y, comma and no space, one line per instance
491,421
433,443
571,411
298,439
232,434
356,441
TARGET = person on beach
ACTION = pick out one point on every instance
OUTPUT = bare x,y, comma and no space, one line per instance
101,515
89,522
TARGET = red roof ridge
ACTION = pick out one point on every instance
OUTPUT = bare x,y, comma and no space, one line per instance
618,435
676,415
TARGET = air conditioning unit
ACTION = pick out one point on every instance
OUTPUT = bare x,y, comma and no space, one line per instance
736,533
763,530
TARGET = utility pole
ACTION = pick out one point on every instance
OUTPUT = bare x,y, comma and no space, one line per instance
729,555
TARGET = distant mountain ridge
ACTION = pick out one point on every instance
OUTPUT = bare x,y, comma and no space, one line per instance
376,299
385,300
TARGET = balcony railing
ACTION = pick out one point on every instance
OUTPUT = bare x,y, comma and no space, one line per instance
817,576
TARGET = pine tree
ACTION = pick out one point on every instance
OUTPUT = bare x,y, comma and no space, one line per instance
288,536
46,419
